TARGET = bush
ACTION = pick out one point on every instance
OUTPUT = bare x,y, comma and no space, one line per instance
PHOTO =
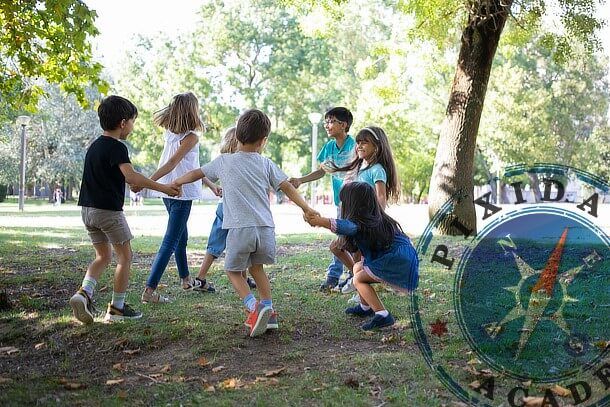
2,193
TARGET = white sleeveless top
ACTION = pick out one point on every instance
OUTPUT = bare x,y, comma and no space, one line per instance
188,163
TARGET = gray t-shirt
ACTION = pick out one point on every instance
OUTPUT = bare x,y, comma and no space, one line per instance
245,179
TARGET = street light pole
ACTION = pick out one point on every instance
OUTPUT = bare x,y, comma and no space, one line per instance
22,121
314,118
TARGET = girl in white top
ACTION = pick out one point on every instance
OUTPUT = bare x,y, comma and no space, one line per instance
180,155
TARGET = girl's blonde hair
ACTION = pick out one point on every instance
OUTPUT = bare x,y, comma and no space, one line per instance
228,144
181,115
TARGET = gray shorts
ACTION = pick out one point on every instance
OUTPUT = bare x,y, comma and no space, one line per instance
105,226
248,246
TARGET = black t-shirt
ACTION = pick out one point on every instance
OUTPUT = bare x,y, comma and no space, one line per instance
103,185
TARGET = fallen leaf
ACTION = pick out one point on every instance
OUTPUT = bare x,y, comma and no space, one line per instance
533,401
217,369
112,382
561,391
40,345
274,372
119,366
103,289
131,351
161,286
202,361
9,350
389,338
68,385
209,388
165,369
229,383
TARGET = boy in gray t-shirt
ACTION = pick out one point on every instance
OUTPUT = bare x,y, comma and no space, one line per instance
246,176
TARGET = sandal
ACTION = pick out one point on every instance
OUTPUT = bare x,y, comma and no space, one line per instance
204,286
154,298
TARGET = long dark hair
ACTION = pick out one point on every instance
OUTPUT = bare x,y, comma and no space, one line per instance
383,156
359,204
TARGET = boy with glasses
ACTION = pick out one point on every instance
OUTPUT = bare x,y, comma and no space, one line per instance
337,152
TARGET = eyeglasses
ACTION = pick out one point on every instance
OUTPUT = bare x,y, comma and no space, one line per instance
330,122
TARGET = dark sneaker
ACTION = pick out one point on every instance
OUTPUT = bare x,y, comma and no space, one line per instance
114,314
272,323
329,284
359,312
203,286
82,306
251,283
258,319
378,322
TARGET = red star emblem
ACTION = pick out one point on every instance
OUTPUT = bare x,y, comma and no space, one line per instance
439,328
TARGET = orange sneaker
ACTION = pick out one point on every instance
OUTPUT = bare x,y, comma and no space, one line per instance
257,320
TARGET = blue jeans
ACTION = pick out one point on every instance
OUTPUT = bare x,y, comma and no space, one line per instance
174,241
335,268
217,242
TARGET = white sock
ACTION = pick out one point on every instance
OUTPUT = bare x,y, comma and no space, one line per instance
384,313
365,307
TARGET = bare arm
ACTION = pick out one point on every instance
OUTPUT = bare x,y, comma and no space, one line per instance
213,187
186,145
132,177
291,192
380,191
317,220
189,177
312,176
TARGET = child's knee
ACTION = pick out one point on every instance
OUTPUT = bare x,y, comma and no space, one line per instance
358,267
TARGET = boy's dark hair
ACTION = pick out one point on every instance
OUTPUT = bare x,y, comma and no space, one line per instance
252,126
113,109
342,114
359,204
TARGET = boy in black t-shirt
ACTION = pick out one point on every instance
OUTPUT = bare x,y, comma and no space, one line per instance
107,168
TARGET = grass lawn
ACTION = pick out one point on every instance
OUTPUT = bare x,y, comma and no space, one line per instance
196,350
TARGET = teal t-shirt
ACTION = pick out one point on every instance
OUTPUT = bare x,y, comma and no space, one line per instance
372,174
340,157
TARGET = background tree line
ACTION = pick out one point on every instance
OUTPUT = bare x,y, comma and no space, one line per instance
385,60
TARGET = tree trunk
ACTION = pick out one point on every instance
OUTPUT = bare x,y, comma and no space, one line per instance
535,186
452,175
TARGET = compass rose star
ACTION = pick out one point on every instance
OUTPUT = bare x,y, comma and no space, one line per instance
541,296
439,328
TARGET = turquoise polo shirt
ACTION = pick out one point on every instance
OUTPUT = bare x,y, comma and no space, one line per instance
340,157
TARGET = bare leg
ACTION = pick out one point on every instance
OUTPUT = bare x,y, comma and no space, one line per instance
344,256
103,257
367,293
123,266
262,281
208,259
239,283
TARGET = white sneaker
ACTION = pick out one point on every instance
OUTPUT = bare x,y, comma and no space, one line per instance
355,299
349,287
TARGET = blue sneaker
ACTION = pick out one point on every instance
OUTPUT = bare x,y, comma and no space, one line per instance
359,312
378,322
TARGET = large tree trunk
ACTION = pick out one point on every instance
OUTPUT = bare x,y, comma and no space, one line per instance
453,166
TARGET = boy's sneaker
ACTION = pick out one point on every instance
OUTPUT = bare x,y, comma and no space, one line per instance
359,312
355,299
348,287
258,319
378,322
272,323
329,284
82,306
203,286
114,314
251,283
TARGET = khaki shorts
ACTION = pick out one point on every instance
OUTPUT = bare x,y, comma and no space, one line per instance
248,246
106,226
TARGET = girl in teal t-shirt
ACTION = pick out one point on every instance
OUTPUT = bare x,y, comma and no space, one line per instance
374,165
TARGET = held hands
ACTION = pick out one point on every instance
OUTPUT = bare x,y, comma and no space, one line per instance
217,190
135,188
312,217
296,182
172,189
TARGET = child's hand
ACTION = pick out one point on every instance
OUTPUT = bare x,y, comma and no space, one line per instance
173,190
295,182
135,188
312,217
217,191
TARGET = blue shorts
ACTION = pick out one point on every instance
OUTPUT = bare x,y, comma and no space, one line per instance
217,242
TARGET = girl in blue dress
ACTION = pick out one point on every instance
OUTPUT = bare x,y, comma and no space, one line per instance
387,253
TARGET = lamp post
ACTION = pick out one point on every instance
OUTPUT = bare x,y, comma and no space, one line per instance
22,121
314,118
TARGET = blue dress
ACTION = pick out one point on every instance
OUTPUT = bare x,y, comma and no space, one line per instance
397,266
